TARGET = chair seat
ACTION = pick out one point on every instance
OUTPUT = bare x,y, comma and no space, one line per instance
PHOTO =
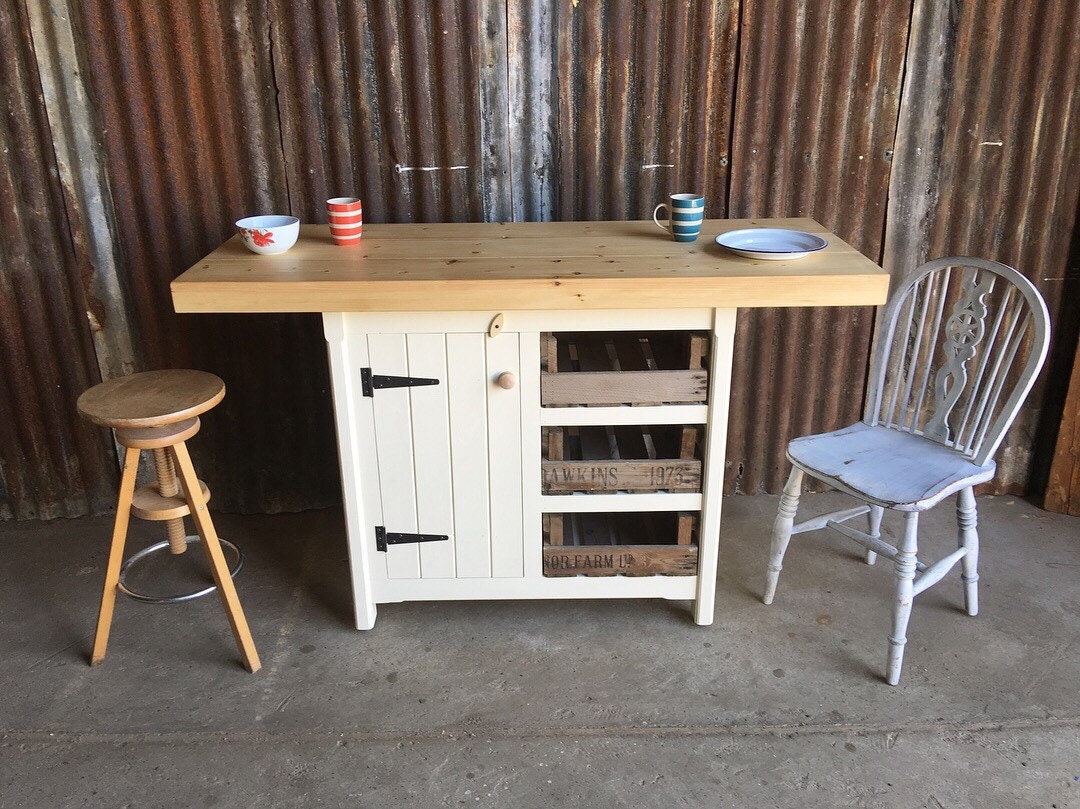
886,467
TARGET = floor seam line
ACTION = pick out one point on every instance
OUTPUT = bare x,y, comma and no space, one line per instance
849,729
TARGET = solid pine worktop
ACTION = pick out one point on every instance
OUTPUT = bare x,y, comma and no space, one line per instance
525,266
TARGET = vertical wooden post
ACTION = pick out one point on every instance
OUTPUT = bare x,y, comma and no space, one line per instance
1063,487
556,437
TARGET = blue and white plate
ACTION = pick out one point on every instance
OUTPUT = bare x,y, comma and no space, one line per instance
771,244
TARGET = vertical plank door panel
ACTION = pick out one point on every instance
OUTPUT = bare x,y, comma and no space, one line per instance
430,415
393,443
504,458
467,388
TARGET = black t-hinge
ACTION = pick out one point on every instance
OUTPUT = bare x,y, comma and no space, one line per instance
383,538
372,382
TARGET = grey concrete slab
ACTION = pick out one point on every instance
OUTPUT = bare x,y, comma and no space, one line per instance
936,769
782,686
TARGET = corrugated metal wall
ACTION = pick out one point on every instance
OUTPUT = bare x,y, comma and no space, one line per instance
815,117
988,164
50,465
616,104
458,110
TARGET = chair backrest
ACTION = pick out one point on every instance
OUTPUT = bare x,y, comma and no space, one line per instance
961,342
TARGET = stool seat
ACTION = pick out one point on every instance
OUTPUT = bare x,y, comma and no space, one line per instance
151,399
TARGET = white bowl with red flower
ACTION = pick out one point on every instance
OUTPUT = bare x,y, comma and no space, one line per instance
268,235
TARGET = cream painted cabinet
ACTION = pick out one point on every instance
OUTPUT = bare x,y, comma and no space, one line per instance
453,487
597,474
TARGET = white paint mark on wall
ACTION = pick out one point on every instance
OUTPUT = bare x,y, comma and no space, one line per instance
400,169
992,143
658,166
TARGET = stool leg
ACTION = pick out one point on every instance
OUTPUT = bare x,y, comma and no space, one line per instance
225,586
116,555
169,486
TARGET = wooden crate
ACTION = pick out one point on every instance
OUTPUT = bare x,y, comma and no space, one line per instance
620,544
623,368
596,369
605,460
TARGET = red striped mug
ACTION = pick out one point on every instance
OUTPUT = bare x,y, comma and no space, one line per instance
346,218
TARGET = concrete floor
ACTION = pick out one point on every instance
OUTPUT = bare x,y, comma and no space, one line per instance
523,704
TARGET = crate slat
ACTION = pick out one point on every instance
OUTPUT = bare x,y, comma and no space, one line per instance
625,560
671,474
623,387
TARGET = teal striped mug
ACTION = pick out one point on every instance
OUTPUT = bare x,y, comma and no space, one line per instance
685,214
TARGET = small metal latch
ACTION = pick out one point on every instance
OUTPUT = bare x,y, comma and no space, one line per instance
372,382
382,538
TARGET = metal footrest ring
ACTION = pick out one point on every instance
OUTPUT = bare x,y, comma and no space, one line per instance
174,599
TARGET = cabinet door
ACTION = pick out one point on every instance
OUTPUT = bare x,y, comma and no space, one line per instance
449,455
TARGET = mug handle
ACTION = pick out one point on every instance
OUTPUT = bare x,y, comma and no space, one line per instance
660,224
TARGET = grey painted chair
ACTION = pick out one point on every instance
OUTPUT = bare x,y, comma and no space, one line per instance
943,391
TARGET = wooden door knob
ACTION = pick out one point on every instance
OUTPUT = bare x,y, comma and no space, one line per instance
506,380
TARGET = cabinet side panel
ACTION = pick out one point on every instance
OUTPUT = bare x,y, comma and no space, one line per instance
467,388
430,415
359,472
393,441
504,457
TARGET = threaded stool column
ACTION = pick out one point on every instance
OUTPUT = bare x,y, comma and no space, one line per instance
169,486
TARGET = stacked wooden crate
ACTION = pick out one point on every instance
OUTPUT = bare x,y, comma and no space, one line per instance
634,534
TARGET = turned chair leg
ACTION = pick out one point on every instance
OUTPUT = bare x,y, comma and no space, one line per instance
873,522
116,555
218,566
905,595
781,534
967,518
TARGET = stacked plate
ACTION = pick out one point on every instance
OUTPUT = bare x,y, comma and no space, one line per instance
771,244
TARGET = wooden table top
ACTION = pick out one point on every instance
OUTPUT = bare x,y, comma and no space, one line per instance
524,266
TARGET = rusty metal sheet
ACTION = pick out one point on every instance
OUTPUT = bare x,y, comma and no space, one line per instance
615,104
815,117
459,110
214,110
401,103
988,164
51,464
186,97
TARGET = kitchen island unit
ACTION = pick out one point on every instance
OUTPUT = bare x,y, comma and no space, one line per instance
530,410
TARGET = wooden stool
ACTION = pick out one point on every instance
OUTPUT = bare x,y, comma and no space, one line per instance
159,411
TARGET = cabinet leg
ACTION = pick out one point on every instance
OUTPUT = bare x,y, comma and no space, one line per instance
722,353
365,612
